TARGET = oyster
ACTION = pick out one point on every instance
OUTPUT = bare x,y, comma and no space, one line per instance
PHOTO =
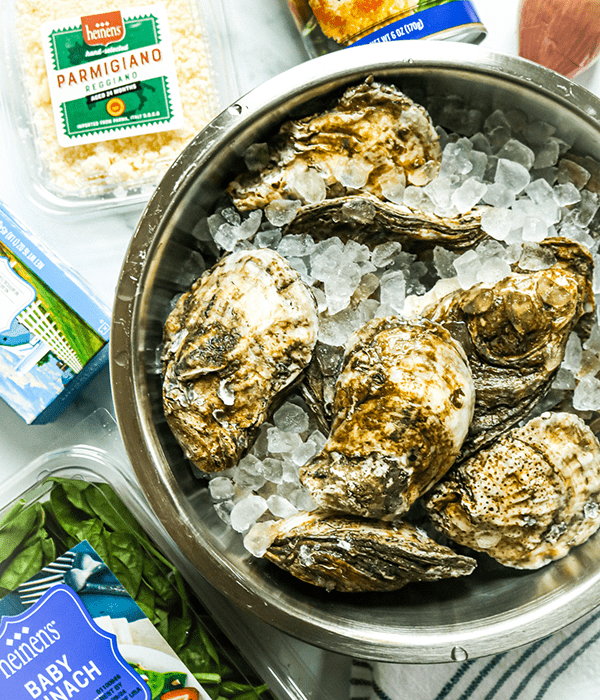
357,555
371,221
515,334
527,499
318,383
373,135
402,407
233,344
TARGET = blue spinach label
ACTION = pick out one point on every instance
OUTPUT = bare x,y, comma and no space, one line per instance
55,651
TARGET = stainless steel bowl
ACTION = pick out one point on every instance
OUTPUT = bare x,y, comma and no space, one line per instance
489,612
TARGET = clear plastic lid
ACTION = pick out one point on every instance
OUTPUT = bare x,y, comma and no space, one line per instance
96,121
95,455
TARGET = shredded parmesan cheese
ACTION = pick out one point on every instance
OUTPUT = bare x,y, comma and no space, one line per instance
128,162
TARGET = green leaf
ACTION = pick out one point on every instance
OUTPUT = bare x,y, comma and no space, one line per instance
241,691
146,599
161,620
207,677
179,629
75,490
68,516
27,563
106,505
126,560
426,4
158,579
48,550
23,523
199,654
12,513
93,531
251,693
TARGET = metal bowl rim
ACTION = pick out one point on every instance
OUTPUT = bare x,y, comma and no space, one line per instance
492,635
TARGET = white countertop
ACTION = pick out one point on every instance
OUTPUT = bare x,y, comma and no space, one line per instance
265,43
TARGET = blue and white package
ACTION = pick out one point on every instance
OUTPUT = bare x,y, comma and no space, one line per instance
54,331
61,639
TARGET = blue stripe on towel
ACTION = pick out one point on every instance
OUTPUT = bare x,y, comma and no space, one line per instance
557,649
380,694
459,673
481,676
565,665
507,674
360,688
531,672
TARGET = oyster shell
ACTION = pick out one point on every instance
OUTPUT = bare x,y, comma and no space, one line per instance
318,383
233,344
371,221
527,499
372,135
515,334
402,407
357,555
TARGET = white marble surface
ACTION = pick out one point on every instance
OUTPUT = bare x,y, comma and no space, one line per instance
264,42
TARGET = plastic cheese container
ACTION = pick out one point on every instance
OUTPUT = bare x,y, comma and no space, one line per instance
102,96
80,495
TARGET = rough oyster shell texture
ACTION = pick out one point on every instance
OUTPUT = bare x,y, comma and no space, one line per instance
373,128
371,221
317,386
527,499
515,334
402,408
420,408
355,555
233,344
374,138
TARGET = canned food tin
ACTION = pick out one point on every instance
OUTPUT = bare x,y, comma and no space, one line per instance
329,25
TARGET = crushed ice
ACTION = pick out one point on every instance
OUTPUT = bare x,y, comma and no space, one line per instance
510,167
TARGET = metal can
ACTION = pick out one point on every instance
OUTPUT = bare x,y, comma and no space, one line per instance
329,25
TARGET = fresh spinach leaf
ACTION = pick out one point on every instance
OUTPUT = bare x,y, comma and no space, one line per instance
68,516
109,508
20,570
126,560
179,629
74,490
13,513
157,579
14,533
146,599
78,511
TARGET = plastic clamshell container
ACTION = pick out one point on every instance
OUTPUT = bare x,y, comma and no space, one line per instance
96,455
113,97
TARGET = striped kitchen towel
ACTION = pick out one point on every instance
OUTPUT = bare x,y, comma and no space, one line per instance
563,666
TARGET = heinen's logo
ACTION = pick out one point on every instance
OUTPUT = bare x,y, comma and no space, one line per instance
103,29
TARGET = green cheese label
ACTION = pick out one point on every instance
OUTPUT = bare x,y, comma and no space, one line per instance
112,75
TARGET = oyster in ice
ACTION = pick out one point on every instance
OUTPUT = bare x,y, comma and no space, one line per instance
515,334
402,407
373,135
527,499
355,555
318,383
370,221
233,344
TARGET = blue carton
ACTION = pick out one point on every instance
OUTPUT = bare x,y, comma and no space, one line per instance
54,331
